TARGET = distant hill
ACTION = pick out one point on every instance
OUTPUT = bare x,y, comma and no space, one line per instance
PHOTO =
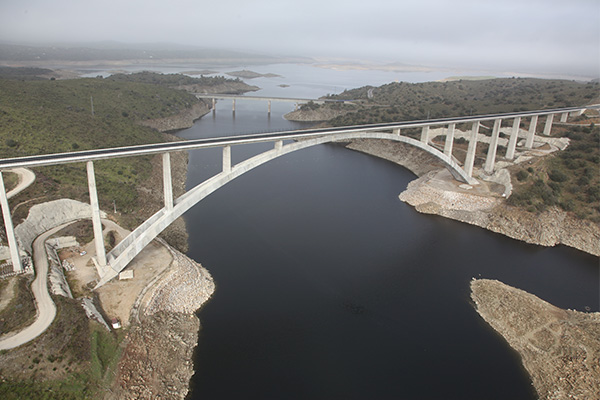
113,51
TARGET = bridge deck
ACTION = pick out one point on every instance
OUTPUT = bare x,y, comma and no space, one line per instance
99,154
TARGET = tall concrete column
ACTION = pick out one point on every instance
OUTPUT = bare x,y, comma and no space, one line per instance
512,142
269,107
233,106
491,155
214,104
531,132
548,126
227,159
278,145
97,224
425,134
564,116
449,140
10,232
470,160
396,131
167,181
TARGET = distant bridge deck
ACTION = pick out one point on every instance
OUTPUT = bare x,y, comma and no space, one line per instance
223,96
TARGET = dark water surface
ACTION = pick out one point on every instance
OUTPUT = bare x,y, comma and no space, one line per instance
329,287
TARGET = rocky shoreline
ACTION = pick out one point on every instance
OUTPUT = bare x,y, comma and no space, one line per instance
483,206
319,115
158,352
559,348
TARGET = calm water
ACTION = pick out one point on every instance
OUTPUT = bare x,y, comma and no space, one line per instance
328,286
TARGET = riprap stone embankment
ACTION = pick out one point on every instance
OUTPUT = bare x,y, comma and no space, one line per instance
157,360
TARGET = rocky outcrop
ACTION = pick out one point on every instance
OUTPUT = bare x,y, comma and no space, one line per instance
318,115
485,210
157,361
559,348
417,161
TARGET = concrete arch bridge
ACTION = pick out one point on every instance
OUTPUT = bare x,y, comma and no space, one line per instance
112,263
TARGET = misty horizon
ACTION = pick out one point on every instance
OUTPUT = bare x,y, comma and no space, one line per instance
536,37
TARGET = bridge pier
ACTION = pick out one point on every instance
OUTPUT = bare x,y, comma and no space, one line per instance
96,223
396,131
167,181
531,132
279,146
425,134
490,160
10,231
233,106
226,159
548,126
564,116
214,104
269,107
449,140
514,135
470,159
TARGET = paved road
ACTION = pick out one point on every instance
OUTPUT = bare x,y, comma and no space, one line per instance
46,310
26,178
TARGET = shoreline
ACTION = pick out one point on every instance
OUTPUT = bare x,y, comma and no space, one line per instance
559,348
487,209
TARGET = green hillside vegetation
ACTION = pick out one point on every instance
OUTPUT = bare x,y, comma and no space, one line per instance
569,179
53,116
401,101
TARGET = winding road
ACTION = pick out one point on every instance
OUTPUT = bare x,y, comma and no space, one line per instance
46,310
26,178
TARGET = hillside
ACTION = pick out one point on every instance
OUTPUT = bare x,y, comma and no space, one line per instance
51,116
568,180
401,101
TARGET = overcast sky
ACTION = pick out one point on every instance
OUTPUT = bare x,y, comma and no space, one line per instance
555,36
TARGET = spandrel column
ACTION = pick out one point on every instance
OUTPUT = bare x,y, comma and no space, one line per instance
470,160
96,222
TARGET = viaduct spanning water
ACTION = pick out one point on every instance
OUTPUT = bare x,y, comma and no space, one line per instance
329,287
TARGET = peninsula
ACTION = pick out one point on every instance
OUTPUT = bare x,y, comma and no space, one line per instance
559,348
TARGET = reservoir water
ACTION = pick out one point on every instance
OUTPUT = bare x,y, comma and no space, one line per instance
329,287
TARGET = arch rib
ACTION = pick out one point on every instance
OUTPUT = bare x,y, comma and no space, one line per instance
132,245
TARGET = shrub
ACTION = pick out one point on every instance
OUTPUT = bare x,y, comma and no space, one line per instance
558,176
522,175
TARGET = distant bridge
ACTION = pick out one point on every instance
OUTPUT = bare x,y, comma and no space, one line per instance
233,98
111,264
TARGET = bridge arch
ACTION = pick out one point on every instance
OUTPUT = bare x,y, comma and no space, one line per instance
122,254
